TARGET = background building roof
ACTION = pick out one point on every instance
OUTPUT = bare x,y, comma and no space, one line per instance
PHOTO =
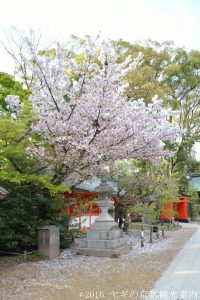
90,185
3,191
195,181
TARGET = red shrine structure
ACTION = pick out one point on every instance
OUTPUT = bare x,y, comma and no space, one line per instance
177,210
81,202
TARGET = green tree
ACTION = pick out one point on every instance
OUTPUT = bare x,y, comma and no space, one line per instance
174,75
15,136
146,188
144,183
9,86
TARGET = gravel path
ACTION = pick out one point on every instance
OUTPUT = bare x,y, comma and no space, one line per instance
72,277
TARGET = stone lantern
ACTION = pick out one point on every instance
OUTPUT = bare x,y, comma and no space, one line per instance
105,203
105,238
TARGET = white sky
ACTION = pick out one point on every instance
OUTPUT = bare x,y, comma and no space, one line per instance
131,20
176,20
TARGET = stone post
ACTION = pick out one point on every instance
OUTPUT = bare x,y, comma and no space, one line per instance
49,241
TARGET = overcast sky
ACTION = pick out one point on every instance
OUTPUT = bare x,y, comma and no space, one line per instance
176,20
131,20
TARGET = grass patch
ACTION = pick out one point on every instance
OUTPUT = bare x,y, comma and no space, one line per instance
8,260
146,227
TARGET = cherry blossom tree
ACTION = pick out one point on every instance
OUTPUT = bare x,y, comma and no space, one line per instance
83,121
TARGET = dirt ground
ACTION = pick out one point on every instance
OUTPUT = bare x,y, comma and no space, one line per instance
72,277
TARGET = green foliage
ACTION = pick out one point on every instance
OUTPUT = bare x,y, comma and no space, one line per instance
145,183
16,166
145,80
193,205
149,213
35,256
9,86
186,188
24,209
172,74
147,188
193,209
183,185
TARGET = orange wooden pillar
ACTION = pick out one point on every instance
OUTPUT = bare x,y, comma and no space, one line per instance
167,212
182,209
177,209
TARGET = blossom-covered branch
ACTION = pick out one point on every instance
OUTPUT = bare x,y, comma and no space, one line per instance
84,119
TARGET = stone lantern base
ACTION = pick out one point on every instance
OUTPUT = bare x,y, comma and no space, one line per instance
106,240
105,248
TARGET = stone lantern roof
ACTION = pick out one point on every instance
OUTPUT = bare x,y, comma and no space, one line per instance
103,187
94,183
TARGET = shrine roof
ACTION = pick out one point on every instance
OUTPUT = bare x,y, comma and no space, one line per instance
3,191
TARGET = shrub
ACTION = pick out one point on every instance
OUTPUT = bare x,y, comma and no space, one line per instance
22,211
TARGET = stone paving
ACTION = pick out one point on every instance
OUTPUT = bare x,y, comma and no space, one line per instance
181,280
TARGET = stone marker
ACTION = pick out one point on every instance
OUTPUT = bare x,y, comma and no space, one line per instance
49,241
105,238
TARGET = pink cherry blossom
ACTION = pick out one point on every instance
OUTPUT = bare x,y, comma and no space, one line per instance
84,118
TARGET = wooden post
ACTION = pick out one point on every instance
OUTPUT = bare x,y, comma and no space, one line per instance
157,234
142,238
163,233
151,235
173,221
25,255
